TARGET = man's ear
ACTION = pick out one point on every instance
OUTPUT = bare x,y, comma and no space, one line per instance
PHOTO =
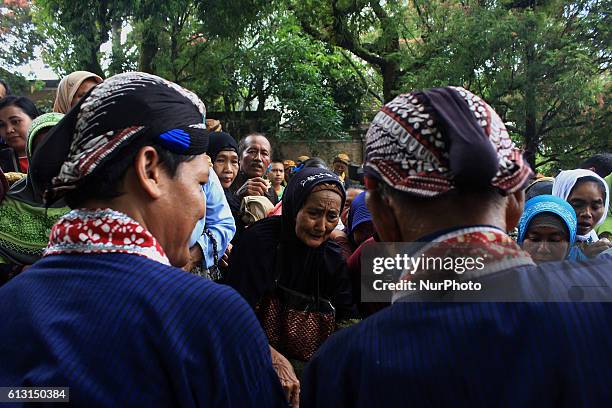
383,216
514,209
148,171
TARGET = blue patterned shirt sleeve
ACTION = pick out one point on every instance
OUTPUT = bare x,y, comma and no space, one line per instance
218,220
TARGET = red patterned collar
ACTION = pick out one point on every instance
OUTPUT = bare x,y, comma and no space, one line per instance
497,249
103,231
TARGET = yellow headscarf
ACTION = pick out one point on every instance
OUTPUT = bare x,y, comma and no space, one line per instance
68,87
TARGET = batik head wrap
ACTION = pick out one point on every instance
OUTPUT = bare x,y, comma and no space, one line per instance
68,87
114,114
431,142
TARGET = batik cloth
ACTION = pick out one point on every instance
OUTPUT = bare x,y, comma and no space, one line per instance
103,231
428,143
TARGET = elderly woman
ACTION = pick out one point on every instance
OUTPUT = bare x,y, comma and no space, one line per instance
547,230
72,88
289,270
588,194
107,311
25,222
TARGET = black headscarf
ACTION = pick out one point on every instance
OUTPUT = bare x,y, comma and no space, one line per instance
219,141
270,250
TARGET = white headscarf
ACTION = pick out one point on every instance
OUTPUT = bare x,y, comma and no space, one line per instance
562,186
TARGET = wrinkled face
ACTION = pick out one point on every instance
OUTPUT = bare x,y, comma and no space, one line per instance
340,168
318,217
588,202
14,124
277,173
546,243
226,167
256,157
83,89
183,204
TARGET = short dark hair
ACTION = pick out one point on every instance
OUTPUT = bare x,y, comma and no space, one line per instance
602,163
103,184
25,104
242,146
7,87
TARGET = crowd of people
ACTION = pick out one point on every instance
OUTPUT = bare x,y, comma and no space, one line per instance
149,258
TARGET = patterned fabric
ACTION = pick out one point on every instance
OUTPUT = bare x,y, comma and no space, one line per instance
563,185
548,204
410,145
116,112
499,251
103,231
46,120
24,230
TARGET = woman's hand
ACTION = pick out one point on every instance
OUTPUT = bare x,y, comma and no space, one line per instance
596,248
225,257
287,377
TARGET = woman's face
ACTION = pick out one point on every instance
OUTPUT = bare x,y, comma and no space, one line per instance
226,167
318,217
588,202
85,86
14,124
546,243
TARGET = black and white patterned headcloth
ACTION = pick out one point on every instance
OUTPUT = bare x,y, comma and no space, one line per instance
430,142
123,108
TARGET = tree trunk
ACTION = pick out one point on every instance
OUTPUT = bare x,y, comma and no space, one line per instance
390,74
117,63
148,47
531,136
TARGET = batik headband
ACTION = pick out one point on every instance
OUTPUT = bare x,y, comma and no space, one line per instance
428,143
123,108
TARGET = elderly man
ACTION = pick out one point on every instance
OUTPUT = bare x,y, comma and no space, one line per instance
425,186
106,311
255,154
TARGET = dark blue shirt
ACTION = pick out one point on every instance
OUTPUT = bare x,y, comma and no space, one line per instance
552,354
122,330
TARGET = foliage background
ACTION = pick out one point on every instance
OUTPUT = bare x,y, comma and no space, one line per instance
328,65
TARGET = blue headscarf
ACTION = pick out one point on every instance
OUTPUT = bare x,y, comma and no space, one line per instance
358,214
555,205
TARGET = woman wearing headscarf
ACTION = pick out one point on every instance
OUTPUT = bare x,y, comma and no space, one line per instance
289,270
72,88
588,194
547,230
25,223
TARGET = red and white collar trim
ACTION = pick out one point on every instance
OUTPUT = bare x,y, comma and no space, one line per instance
103,231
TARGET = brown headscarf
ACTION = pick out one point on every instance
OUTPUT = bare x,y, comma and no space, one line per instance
68,87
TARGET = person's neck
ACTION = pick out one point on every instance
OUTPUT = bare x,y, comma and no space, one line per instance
426,226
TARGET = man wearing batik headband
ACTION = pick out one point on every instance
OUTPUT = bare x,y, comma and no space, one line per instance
104,312
442,170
